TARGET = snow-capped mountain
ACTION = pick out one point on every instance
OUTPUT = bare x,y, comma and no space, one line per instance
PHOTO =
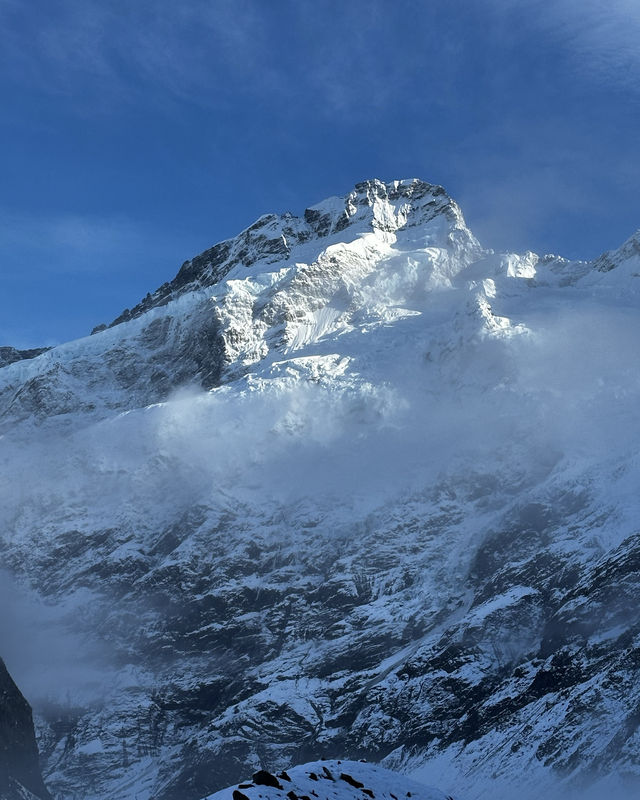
350,485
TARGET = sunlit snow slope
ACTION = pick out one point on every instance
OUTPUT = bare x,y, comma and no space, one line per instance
349,486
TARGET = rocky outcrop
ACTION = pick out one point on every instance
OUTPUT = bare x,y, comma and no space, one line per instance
339,780
9,355
20,777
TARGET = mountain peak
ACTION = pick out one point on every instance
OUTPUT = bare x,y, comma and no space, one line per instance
383,206
372,205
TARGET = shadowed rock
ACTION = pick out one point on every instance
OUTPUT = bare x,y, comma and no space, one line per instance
19,761
9,355
264,778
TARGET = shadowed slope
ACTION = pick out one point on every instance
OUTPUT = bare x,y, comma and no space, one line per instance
19,767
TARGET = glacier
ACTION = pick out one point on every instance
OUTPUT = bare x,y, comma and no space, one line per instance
351,485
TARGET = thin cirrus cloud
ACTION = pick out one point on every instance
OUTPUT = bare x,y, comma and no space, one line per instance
600,37
82,270
345,56
75,244
123,49
109,53
335,56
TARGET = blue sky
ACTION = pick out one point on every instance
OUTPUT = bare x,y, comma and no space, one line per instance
136,134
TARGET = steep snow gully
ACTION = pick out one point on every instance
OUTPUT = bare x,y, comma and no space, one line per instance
349,486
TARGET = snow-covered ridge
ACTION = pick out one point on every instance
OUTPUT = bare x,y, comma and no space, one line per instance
371,206
282,284
628,255
280,287
330,780
381,253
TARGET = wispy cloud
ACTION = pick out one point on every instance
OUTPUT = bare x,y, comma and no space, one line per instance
331,55
533,178
357,57
68,244
599,37
64,274
107,52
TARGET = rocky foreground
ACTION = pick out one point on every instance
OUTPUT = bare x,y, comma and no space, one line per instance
330,780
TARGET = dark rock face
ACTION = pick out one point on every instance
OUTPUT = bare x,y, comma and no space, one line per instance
19,765
145,367
264,778
9,355
516,645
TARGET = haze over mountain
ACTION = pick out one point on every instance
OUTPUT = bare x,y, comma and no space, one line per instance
351,485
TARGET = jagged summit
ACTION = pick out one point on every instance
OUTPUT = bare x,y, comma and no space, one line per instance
289,286
275,238
280,286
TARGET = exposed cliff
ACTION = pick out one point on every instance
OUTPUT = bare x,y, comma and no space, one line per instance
20,777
